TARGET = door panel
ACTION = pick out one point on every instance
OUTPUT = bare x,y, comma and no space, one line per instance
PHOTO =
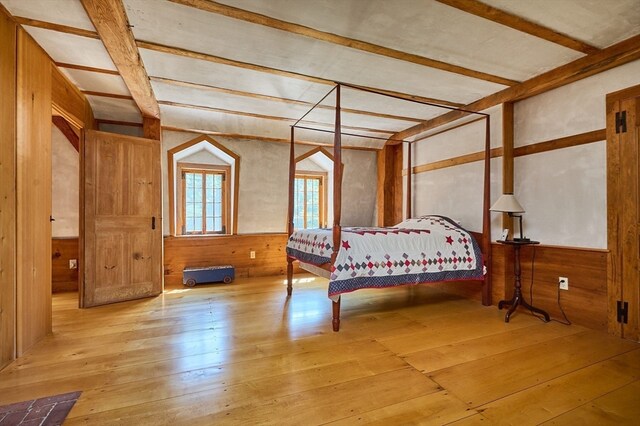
123,248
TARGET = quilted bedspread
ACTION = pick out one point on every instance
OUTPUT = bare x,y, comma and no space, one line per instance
424,249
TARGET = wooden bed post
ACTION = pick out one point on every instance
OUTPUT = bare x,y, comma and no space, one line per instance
409,170
337,199
486,215
292,179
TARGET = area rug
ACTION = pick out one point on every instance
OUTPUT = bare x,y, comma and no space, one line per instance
48,411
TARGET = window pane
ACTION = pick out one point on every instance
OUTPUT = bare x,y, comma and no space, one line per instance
197,224
210,225
209,194
218,181
218,194
209,207
217,224
217,209
189,195
197,194
189,179
197,179
189,225
209,180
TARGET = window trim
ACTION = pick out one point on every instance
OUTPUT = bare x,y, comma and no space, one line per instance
322,176
173,184
226,189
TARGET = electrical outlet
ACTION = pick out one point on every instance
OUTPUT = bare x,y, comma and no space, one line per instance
73,263
563,282
252,254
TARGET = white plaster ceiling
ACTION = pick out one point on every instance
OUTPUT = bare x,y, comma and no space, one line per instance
597,22
422,27
72,49
427,28
63,12
96,82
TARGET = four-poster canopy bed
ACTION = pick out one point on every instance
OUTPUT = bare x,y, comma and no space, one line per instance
418,250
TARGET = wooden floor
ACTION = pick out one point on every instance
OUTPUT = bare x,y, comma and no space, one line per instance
244,354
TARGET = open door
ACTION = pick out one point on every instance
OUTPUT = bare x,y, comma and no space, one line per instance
623,205
122,219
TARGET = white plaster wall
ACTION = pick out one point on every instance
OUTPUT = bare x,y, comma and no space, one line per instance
564,191
457,191
203,157
65,184
263,190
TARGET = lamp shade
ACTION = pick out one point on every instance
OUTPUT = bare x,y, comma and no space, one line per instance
507,203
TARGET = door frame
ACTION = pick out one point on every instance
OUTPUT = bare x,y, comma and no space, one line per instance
614,209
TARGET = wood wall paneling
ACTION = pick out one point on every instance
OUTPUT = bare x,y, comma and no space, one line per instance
67,100
33,193
62,277
180,252
7,188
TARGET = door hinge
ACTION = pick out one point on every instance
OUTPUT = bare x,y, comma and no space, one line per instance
623,311
621,122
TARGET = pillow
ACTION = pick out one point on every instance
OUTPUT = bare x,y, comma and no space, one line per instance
420,223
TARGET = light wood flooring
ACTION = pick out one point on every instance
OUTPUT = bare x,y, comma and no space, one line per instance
244,354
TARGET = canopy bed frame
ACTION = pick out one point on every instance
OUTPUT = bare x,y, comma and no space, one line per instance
325,269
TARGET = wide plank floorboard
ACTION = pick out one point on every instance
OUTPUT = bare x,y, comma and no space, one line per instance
245,354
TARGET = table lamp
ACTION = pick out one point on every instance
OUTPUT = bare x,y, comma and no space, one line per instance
507,203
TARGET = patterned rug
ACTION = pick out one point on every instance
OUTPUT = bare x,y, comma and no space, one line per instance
48,411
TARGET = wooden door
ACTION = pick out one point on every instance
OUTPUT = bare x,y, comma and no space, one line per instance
623,198
122,219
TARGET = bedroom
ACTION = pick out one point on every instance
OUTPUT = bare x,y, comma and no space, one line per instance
551,83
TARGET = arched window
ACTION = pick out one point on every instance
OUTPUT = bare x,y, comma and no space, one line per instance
203,188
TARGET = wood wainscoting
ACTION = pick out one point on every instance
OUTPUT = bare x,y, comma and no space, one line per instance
180,252
62,277
585,303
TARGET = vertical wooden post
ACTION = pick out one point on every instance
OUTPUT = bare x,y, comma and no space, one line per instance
507,159
486,215
151,128
337,199
292,179
409,171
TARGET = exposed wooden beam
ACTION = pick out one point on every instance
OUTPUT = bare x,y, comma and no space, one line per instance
455,161
118,122
56,27
107,95
84,68
269,117
261,138
610,57
151,128
200,86
290,27
439,132
66,130
110,19
282,73
566,142
485,11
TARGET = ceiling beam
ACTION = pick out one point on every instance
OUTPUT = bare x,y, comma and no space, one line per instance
610,57
290,27
85,68
107,95
485,11
67,130
270,117
262,138
200,86
110,19
56,27
282,73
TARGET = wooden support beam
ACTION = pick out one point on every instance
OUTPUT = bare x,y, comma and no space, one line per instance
507,159
263,138
485,11
56,27
67,131
84,68
566,142
290,27
282,73
611,57
151,128
269,117
200,86
107,95
110,19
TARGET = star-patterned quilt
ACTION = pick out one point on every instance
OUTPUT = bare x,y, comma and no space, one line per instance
418,250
